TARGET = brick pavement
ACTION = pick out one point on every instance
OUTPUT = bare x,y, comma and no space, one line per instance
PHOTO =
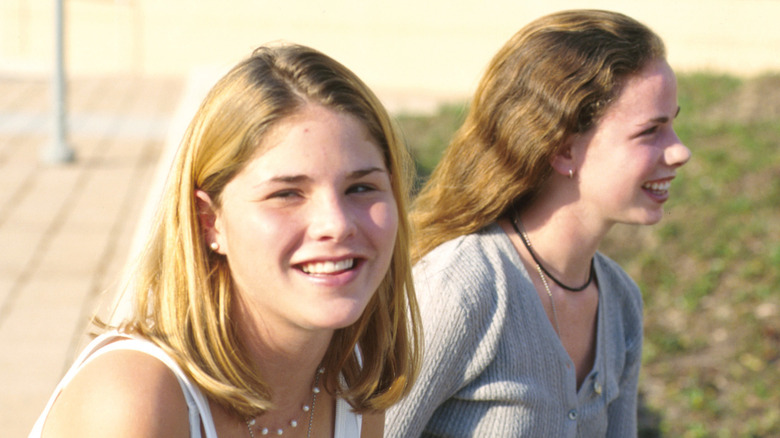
66,230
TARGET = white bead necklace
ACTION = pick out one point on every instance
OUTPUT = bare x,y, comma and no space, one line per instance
521,231
252,422
552,301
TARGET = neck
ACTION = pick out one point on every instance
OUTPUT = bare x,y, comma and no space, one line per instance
562,242
286,358
564,228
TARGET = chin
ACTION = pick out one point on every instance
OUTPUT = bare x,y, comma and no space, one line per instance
644,217
338,319
651,219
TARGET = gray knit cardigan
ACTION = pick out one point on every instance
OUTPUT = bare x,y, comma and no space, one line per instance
493,364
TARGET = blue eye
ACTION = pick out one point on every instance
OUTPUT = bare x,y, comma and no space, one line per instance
361,188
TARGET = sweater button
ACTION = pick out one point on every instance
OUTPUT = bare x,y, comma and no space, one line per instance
572,414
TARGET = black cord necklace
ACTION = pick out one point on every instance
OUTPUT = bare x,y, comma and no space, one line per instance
524,237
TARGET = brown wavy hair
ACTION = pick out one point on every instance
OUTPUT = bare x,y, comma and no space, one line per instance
183,292
554,78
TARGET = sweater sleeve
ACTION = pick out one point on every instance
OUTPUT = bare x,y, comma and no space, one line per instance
456,315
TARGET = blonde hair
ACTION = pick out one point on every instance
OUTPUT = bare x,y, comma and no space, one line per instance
552,79
183,292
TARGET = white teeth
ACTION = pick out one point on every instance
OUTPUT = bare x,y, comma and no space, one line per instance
658,187
328,267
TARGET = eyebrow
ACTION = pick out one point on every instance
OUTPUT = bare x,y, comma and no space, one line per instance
363,172
291,179
664,119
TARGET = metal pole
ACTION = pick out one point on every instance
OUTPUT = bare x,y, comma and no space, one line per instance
58,150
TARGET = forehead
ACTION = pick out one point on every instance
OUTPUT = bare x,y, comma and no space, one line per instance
650,93
306,117
316,139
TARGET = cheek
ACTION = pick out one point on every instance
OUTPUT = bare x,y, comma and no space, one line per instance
641,163
383,225
620,161
247,233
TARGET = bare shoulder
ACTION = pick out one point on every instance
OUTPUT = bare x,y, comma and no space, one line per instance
373,425
123,394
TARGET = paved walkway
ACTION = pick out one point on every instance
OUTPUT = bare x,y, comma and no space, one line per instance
66,230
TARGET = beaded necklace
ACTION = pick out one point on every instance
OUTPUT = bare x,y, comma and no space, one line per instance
307,409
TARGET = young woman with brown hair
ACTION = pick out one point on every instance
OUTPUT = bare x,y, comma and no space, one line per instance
529,330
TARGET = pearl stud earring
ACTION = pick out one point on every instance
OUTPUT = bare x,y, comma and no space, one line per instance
214,246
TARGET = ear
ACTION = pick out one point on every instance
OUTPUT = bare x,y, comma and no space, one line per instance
563,161
207,218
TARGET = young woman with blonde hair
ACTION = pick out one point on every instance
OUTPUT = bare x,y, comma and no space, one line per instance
529,330
275,293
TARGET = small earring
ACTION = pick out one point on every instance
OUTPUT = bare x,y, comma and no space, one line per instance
571,173
214,246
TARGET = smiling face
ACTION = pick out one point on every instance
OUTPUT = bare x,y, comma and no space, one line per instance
308,226
631,156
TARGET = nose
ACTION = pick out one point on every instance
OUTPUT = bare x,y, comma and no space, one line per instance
331,219
676,154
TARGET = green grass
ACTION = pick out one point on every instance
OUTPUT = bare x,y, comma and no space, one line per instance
709,271
427,135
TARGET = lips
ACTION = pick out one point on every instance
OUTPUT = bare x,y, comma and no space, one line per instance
328,267
658,187
658,190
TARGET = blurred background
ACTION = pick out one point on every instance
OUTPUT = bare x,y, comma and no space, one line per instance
136,69
417,49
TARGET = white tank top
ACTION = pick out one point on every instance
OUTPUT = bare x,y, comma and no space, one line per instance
347,423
